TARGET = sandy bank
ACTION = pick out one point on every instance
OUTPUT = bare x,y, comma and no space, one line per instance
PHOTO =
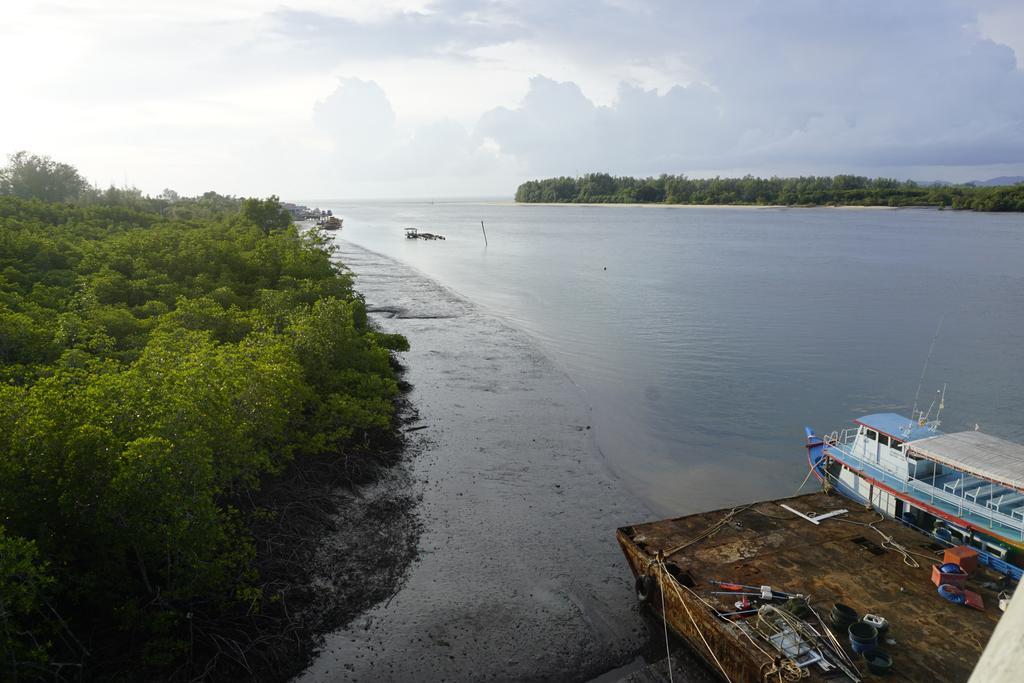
518,575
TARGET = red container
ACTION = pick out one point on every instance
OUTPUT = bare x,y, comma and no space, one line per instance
940,577
962,555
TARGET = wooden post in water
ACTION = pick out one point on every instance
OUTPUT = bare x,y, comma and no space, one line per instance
485,232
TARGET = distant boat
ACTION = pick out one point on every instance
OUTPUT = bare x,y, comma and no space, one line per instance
965,488
415,234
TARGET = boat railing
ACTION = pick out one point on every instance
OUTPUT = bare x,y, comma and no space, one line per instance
841,437
956,497
965,505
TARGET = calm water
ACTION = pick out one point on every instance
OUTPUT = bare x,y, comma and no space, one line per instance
705,339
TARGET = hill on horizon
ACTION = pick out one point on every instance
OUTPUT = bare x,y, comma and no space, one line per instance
1001,180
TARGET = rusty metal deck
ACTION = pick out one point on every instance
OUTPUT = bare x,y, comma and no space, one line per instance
835,561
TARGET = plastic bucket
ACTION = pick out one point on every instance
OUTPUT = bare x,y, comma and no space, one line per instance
863,637
879,662
880,624
843,615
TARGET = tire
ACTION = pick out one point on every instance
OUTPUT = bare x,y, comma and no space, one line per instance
645,588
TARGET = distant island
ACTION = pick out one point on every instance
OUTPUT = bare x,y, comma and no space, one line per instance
840,190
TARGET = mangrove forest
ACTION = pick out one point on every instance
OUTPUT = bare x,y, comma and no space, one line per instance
164,363
840,190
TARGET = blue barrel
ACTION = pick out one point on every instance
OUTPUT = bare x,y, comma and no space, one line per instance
863,637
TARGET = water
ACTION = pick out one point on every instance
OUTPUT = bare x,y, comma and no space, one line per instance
706,338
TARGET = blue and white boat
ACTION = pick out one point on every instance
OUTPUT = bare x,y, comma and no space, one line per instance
964,488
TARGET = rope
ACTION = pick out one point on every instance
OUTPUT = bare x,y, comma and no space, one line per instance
810,471
710,531
889,543
664,621
786,669
671,580
792,672
719,614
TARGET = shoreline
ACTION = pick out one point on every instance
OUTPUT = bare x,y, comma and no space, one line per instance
518,574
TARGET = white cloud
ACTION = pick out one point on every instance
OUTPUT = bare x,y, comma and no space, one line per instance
245,96
814,85
364,143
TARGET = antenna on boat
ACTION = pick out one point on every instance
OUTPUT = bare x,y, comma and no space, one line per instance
923,417
914,414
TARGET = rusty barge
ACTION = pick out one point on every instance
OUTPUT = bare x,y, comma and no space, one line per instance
753,590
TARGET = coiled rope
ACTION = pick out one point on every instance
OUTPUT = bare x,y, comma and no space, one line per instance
786,669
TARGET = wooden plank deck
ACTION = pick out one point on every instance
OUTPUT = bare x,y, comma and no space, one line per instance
835,561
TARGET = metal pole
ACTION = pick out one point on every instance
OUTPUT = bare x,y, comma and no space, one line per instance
485,232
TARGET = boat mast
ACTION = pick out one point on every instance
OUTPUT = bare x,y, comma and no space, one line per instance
914,414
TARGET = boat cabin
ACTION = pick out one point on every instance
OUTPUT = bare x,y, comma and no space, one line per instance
964,487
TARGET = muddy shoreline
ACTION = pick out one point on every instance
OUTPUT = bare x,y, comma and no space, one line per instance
517,574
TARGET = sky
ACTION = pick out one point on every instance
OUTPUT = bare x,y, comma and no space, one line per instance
456,98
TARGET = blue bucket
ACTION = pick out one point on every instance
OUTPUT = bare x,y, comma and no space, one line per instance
863,637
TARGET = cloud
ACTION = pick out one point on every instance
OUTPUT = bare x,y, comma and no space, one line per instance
399,35
358,120
471,94
365,142
817,85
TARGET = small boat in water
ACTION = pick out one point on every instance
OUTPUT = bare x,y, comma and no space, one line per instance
416,234
962,488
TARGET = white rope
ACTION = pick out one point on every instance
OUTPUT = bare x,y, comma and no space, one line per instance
889,542
718,613
664,621
810,471
668,578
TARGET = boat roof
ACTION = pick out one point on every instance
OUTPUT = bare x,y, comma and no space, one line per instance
976,453
896,426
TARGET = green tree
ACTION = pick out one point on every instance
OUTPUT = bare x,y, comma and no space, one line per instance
34,177
158,365
23,582
267,214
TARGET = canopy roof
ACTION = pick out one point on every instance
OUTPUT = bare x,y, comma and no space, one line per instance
976,453
896,426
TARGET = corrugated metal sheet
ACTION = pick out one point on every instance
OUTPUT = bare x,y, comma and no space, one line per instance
976,453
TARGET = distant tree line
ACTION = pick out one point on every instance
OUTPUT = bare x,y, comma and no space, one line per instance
840,190
162,361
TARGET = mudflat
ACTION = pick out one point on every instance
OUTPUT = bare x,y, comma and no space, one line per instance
518,576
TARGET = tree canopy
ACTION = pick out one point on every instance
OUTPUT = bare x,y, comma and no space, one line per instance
34,177
843,190
160,359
